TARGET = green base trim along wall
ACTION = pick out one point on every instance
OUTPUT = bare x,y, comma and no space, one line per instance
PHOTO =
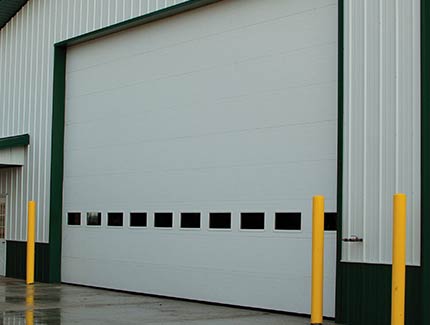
16,255
365,295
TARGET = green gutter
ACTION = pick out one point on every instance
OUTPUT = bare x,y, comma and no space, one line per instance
15,141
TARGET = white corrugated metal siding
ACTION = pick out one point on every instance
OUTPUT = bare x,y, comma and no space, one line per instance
381,125
26,65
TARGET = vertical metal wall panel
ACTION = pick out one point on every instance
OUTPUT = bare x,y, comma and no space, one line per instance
381,125
26,65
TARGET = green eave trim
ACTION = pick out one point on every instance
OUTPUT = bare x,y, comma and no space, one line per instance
8,9
58,113
22,140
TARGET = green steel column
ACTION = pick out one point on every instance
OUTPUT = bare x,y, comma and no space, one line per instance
425,156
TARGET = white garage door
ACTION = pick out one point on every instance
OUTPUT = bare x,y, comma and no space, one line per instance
193,147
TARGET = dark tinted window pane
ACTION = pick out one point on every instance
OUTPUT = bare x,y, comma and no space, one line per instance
115,219
138,219
74,218
220,220
163,219
252,220
94,219
288,220
330,221
190,220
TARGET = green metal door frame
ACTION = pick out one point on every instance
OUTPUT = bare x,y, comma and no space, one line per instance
425,154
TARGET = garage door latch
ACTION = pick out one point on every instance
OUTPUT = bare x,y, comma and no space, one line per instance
353,239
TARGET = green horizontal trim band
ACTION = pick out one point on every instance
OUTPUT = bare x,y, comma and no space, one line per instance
365,295
15,141
141,20
16,252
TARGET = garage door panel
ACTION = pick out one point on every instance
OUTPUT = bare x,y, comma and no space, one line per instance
242,183
189,281
236,45
164,35
270,70
312,33
319,99
294,143
228,108
145,121
233,252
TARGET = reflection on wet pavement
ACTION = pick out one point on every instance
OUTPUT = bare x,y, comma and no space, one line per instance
43,303
29,304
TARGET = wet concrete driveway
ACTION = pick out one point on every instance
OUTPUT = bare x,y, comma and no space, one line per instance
65,304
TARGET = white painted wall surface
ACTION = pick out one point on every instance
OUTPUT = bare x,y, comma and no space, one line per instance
381,126
231,107
12,156
26,66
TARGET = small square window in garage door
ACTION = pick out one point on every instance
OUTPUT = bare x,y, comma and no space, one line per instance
163,219
94,218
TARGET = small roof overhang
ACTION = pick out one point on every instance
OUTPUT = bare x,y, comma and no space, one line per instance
12,150
8,9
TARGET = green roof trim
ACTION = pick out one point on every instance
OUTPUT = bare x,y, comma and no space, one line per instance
15,141
8,9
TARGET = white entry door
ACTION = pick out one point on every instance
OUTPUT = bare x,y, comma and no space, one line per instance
2,236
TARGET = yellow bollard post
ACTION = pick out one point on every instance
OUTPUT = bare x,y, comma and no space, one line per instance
317,260
399,260
31,225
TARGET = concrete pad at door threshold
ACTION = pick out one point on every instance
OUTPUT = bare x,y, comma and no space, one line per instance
69,304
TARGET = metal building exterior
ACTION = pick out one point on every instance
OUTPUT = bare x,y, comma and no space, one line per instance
173,147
